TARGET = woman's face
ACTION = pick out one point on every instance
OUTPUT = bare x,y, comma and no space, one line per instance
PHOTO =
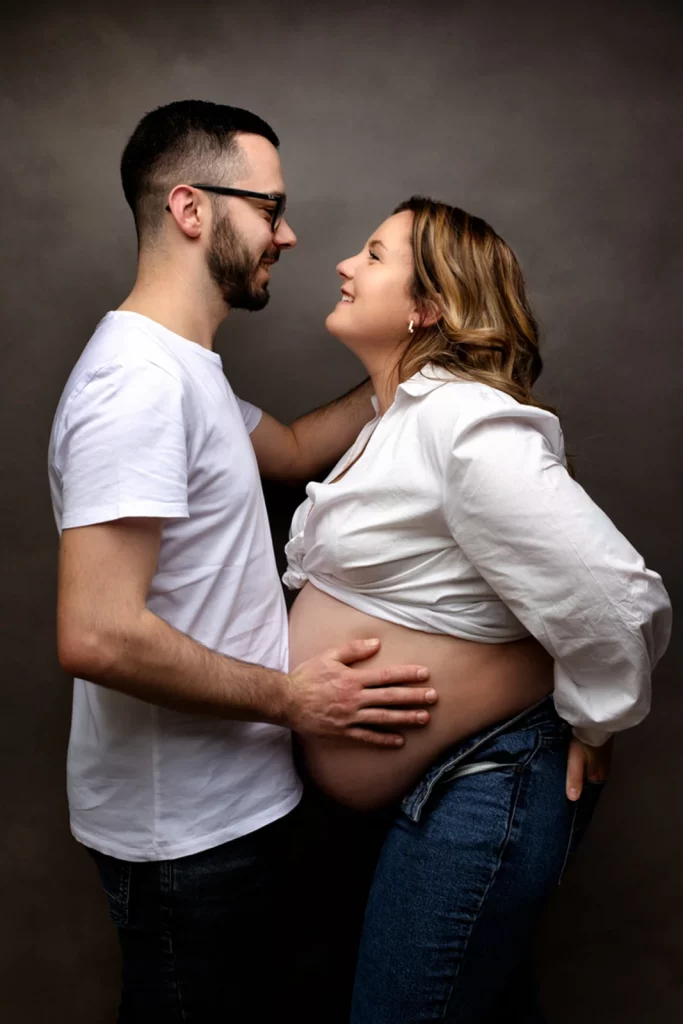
376,306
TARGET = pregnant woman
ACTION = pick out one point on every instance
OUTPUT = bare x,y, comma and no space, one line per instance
453,531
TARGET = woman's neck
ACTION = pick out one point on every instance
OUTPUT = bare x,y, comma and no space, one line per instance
384,375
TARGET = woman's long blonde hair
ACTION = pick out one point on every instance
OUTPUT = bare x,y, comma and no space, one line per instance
470,277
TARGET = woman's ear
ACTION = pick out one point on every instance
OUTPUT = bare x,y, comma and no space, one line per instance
427,316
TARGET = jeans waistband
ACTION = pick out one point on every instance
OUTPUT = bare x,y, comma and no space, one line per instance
541,713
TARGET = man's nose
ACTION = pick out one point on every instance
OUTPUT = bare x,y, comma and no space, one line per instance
284,236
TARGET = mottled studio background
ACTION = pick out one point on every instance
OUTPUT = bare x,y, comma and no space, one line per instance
558,122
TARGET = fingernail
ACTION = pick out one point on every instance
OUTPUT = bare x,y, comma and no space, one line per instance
573,794
422,673
430,694
372,642
423,716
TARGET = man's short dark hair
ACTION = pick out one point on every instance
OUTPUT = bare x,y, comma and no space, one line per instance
186,141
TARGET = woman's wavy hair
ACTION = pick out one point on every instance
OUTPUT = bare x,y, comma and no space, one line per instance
470,277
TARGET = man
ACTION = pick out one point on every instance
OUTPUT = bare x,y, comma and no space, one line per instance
170,611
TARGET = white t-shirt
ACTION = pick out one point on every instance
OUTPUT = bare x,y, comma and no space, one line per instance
148,425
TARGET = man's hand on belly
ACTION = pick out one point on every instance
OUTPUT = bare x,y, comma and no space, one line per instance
329,698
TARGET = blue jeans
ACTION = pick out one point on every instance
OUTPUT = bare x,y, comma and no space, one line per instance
198,935
465,870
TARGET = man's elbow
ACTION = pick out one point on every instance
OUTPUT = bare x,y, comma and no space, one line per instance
297,467
292,471
85,653
295,475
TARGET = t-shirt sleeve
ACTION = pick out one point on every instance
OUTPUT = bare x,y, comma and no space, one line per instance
122,449
251,414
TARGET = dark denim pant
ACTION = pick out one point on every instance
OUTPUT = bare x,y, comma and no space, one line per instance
465,870
199,935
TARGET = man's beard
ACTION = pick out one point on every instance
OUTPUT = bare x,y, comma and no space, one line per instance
231,266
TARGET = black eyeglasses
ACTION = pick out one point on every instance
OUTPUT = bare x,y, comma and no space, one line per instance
278,198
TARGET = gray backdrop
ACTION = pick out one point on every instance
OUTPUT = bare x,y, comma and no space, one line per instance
559,123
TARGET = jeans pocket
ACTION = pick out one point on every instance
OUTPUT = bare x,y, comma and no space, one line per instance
581,818
475,768
502,752
115,878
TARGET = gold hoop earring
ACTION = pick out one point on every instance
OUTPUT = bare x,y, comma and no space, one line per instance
411,326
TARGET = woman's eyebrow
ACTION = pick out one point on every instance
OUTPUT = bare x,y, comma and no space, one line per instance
377,241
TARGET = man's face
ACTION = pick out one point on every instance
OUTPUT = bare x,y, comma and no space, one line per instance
243,246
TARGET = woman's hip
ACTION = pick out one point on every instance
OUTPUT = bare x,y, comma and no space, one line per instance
532,743
468,862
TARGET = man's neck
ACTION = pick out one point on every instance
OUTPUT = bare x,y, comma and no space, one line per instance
177,302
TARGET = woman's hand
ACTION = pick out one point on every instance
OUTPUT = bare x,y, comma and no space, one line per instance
587,762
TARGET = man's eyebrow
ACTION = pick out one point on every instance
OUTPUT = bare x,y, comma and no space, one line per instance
377,241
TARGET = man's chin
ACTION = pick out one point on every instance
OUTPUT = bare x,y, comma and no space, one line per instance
254,302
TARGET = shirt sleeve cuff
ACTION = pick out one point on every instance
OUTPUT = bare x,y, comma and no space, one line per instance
592,737
125,510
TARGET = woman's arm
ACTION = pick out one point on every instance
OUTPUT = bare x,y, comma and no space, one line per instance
559,564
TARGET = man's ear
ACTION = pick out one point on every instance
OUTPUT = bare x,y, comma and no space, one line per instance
187,210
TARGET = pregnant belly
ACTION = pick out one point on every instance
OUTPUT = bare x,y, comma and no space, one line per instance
478,685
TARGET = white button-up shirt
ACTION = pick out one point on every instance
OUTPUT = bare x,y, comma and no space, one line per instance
459,517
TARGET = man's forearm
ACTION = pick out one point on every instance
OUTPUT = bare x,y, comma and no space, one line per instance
154,662
322,436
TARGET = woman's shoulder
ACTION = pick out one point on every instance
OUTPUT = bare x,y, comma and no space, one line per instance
453,405
454,397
